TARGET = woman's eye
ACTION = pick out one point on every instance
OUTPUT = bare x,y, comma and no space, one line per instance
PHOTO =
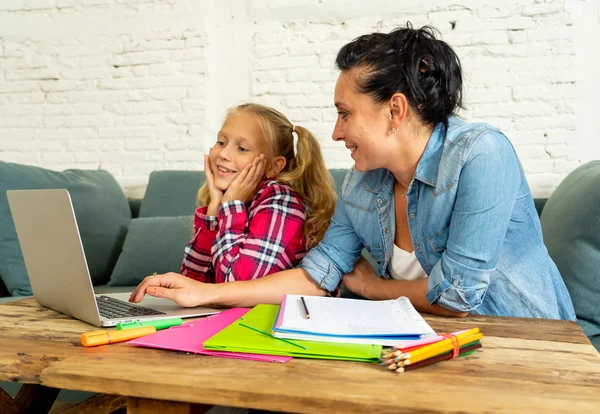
242,149
343,114
220,143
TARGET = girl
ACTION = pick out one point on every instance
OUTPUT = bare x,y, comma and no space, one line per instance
266,199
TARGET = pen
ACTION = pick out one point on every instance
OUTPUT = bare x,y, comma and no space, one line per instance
306,312
95,338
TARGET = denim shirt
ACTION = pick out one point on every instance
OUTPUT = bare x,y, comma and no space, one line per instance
473,223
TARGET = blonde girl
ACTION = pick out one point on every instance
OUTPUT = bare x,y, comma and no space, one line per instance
267,199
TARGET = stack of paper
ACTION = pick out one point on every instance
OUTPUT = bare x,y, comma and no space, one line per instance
251,334
387,322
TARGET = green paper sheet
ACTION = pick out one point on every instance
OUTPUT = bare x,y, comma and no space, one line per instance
237,338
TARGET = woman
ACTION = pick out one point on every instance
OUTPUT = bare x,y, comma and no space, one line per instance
442,205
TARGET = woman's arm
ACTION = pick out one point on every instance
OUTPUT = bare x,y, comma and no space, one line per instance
486,194
269,289
364,282
189,293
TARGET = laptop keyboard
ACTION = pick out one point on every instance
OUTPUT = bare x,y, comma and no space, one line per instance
112,308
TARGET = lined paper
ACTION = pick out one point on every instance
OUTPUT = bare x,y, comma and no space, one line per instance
352,317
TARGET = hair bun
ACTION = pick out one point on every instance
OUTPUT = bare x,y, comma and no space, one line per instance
411,61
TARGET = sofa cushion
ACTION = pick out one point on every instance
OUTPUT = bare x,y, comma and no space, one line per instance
101,210
171,193
338,175
153,244
571,226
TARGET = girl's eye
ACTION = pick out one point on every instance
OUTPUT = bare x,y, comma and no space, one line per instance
220,143
343,114
242,149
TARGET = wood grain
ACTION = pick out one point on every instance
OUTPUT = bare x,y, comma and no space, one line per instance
526,365
146,406
98,404
7,404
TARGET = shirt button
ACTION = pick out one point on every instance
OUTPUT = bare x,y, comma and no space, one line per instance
379,201
456,282
413,215
417,248
386,230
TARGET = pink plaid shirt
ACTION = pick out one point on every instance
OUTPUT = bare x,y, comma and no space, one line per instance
244,244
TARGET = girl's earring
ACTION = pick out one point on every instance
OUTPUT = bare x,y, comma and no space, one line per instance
394,130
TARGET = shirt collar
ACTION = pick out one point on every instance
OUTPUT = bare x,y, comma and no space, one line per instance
429,164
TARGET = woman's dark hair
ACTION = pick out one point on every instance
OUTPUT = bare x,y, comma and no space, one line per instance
410,61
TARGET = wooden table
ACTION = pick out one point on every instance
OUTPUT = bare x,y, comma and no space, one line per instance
526,365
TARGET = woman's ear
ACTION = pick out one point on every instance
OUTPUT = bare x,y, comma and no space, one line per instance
398,108
277,165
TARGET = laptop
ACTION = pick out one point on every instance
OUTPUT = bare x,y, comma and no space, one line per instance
58,271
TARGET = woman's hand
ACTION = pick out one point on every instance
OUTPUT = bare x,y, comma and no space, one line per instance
182,290
246,183
216,195
361,279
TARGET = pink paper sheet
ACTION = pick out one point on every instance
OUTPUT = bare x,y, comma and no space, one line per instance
190,336
279,319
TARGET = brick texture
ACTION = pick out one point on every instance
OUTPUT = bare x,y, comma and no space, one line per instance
133,86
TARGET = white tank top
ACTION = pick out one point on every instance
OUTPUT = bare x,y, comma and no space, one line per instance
405,266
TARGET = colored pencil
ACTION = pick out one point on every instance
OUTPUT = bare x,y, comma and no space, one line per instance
436,346
411,350
393,364
409,346
438,358
440,350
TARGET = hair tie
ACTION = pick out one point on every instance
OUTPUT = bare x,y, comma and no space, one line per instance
294,139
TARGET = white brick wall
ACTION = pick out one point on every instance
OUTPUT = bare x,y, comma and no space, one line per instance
137,85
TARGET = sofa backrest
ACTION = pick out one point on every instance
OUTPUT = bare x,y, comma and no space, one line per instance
173,193
571,227
100,206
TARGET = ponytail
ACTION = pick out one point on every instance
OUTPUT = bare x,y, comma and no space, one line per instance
307,175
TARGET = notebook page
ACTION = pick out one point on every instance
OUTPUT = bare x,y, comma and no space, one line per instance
348,317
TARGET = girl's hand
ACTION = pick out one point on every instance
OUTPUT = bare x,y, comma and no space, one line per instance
216,195
246,183
361,279
182,290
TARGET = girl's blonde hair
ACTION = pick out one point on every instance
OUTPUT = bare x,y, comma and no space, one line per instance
304,171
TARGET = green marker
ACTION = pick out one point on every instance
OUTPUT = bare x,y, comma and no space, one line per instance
158,324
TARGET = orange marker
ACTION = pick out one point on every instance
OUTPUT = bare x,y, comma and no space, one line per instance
95,338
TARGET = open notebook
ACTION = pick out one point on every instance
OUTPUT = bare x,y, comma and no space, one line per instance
385,322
